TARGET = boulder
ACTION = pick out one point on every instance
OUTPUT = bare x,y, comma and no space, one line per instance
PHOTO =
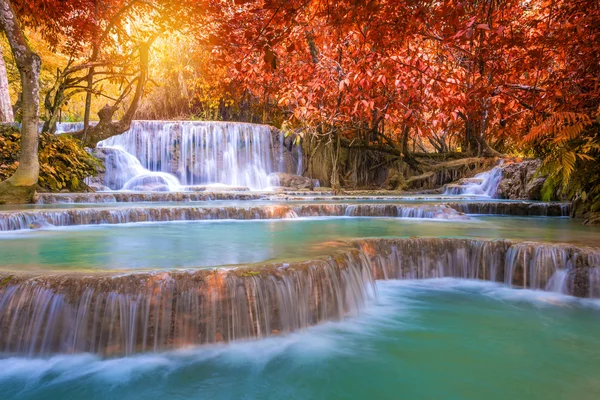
521,181
291,181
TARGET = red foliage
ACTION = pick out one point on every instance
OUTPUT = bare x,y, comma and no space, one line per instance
486,69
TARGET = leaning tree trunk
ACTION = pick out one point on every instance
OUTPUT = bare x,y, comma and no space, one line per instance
20,187
6,112
105,127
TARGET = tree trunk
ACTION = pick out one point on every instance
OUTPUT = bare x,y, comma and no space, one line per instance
6,111
475,143
21,186
406,155
106,127
335,173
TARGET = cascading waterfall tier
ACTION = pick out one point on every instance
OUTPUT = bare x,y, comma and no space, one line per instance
482,184
115,315
141,197
553,267
151,312
18,220
516,208
197,153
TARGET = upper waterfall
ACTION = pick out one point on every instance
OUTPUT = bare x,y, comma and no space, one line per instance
194,153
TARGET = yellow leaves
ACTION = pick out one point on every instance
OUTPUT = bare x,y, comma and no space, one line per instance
565,136
63,162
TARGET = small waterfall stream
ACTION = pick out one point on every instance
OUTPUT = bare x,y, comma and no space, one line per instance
483,184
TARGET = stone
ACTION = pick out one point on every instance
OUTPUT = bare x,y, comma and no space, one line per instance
291,181
533,189
520,181
39,224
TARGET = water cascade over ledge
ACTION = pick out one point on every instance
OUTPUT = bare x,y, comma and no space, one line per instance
196,153
123,314
18,220
483,184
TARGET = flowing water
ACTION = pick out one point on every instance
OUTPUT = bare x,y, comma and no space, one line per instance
482,184
196,153
161,289
419,340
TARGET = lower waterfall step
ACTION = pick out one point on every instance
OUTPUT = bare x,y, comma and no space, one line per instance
18,220
139,197
515,208
124,314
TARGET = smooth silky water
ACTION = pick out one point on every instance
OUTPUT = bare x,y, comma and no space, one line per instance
443,338
215,243
273,199
429,339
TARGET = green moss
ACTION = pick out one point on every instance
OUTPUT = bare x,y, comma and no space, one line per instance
5,281
249,273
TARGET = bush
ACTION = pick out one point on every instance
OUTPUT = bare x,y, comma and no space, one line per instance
64,163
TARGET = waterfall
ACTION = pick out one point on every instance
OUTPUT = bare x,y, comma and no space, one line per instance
594,277
483,184
559,282
151,312
124,171
204,153
169,155
518,208
67,127
123,314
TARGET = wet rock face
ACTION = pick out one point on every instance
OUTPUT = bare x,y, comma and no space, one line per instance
520,181
295,182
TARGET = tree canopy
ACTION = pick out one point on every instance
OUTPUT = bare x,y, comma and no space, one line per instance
482,77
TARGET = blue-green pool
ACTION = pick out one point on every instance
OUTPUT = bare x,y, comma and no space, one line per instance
215,243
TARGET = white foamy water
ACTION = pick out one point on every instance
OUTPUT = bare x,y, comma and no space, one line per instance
169,155
483,184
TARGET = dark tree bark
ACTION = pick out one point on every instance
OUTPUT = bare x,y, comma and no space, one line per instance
21,186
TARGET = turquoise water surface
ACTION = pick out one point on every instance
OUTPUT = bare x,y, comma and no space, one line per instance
215,243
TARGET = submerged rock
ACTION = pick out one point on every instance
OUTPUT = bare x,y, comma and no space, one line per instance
39,223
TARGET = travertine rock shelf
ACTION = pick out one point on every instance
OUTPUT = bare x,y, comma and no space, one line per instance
128,313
